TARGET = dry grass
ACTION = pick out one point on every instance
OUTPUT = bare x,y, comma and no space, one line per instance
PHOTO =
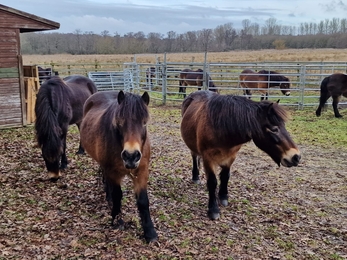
233,56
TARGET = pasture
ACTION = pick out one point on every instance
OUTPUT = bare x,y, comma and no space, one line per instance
273,212
277,213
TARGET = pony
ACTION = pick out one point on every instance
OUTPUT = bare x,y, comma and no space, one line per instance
150,74
44,74
333,86
190,77
263,80
114,134
214,127
59,103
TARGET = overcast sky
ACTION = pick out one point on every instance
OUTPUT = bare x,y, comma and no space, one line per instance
162,16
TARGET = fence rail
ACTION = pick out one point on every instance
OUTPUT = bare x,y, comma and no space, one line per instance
161,79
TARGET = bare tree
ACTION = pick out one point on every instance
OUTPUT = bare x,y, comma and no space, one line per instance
246,26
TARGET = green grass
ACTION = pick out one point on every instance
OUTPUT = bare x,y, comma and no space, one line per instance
326,130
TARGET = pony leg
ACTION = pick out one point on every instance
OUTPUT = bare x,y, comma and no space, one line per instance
247,93
195,170
223,189
213,209
114,196
80,147
64,162
53,170
336,100
264,96
142,202
322,100
182,88
324,95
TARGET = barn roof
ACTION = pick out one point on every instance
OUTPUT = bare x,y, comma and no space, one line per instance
25,22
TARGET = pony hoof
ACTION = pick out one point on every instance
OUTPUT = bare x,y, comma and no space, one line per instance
63,167
54,180
224,203
54,177
213,215
120,225
152,238
196,181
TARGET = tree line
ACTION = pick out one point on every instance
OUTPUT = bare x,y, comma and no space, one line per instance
328,33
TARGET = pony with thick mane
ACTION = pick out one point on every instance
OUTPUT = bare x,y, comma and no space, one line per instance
214,127
190,77
114,134
59,104
333,86
262,81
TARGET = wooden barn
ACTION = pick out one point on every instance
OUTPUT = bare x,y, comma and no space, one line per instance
13,111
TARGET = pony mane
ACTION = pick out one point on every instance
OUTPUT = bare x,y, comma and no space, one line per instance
131,108
237,115
274,75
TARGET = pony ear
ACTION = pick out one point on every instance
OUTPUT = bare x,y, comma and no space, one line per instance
278,101
145,98
120,97
269,108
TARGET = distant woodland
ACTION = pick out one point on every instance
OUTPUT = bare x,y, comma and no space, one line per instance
328,33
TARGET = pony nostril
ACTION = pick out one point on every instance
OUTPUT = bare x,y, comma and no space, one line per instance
296,159
137,156
131,157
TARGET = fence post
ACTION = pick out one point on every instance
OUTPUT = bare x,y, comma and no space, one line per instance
164,85
204,76
96,65
302,86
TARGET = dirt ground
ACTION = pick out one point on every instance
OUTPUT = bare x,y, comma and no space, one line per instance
273,212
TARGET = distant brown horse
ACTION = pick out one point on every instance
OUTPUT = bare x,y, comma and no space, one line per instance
214,127
262,81
114,134
333,86
190,77
59,103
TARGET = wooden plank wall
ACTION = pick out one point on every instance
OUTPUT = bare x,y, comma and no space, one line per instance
10,90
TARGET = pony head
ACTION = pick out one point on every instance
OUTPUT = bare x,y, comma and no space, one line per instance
130,121
285,86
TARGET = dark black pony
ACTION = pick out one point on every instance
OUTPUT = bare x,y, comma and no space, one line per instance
190,77
44,74
214,127
333,86
59,104
114,134
150,74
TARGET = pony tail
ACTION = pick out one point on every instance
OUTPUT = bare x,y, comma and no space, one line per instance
48,130
324,91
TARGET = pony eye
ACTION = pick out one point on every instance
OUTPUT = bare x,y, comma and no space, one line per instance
274,129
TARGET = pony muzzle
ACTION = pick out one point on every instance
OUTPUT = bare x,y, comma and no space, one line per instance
131,159
287,93
291,158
